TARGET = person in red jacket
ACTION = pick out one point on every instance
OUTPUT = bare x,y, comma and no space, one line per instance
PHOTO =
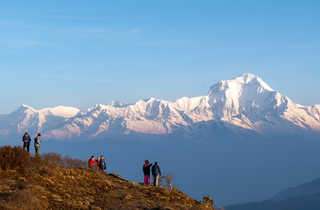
92,162
98,162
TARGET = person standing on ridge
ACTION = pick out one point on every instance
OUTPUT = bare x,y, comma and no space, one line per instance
26,141
92,162
146,172
156,173
102,164
37,144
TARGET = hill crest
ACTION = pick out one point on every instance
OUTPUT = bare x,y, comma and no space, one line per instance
39,183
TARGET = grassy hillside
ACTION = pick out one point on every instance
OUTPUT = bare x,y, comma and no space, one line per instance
51,182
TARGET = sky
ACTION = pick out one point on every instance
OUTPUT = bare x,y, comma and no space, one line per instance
81,53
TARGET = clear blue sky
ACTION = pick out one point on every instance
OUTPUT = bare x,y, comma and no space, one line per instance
80,53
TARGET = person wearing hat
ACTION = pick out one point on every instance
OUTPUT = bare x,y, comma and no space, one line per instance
26,141
37,143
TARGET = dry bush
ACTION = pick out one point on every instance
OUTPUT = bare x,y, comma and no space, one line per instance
74,163
166,181
53,157
64,161
207,200
13,158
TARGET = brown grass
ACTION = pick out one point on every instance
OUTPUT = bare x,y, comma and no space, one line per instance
64,161
27,200
12,158
56,182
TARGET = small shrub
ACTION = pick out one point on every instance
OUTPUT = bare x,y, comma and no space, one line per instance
166,181
53,157
13,158
74,163
207,200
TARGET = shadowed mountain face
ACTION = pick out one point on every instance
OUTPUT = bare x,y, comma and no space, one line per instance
245,102
307,189
305,196
311,202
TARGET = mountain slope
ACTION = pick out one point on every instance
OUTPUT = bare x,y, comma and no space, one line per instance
306,189
245,102
311,202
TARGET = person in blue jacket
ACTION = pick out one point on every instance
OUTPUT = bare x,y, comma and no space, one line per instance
156,173
26,141
102,163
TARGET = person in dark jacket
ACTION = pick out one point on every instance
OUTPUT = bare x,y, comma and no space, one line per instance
26,141
37,143
156,173
102,163
146,171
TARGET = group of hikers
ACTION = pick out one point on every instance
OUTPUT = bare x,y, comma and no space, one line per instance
27,140
100,163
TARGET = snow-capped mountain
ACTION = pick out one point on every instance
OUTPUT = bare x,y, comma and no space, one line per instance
29,119
245,102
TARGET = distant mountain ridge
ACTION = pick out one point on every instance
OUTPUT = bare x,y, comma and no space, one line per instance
245,102
307,189
305,196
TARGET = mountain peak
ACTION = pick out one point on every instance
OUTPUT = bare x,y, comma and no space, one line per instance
62,111
25,106
247,78
248,75
119,104
237,86
245,84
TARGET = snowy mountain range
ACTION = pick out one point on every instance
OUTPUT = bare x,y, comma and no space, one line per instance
245,102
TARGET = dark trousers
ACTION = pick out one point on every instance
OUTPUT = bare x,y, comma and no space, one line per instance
26,146
37,148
